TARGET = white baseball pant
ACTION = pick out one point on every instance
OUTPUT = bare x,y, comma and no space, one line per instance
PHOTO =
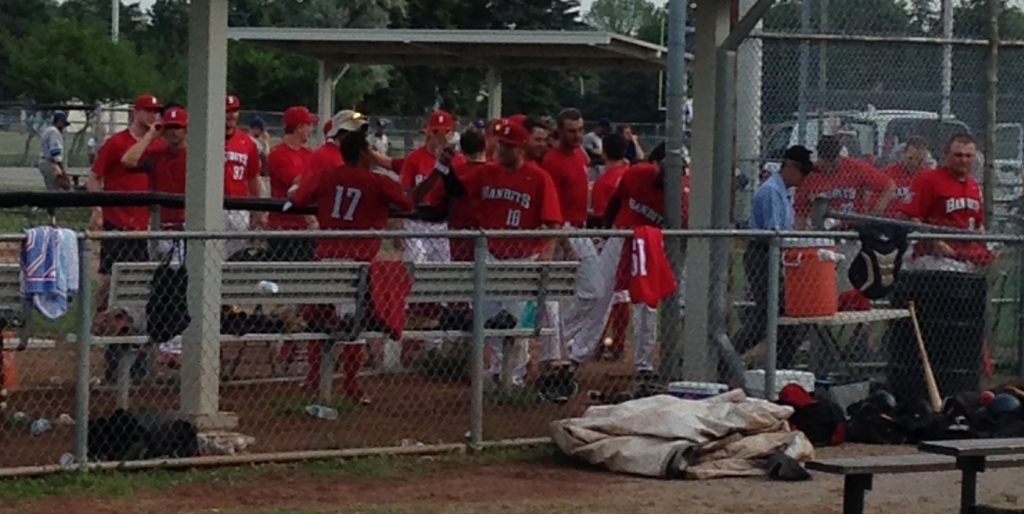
235,221
590,287
427,250
550,345
589,320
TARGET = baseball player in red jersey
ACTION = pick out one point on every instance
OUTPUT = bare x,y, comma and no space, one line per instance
285,165
950,197
350,197
462,211
567,165
242,167
613,148
163,155
915,155
418,165
639,201
514,194
109,174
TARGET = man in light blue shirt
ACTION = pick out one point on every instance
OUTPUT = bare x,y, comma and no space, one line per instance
772,210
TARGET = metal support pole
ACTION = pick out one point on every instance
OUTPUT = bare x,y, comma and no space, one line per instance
713,18
476,409
725,122
675,118
327,360
947,59
324,96
805,58
207,83
493,93
749,105
115,19
822,68
772,353
82,346
991,111
1020,310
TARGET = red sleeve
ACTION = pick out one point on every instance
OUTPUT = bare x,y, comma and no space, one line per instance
873,179
552,168
306,192
393,194
407,177
254,165
921,196
550,210
396,164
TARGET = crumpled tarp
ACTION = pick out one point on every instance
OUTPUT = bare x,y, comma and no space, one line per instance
664,436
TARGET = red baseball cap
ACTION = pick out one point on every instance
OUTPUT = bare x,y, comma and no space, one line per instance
175,117
147,103
440,120
495,125
299,116
518,119
512,133
232,103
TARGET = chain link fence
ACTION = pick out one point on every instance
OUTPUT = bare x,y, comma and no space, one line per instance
295,350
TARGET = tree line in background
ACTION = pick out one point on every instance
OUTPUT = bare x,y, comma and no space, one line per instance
51,52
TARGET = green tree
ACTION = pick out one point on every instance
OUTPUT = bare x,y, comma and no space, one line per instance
65,60
625,17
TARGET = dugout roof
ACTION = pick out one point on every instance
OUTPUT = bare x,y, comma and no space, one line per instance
504,49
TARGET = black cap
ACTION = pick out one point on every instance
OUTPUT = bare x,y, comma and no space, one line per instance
800,156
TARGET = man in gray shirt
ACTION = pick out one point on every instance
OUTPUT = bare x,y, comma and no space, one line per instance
51,159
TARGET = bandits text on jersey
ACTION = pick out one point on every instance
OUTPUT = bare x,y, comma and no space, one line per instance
645,211
504,193
959,204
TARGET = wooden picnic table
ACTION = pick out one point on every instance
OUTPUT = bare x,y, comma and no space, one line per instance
971,458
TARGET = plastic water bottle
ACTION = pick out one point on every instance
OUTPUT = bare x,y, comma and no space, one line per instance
268,287
40,427
322,412
529,318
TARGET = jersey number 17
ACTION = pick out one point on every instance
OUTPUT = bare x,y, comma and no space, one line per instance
340,194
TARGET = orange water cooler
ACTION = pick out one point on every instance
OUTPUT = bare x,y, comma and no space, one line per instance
811,288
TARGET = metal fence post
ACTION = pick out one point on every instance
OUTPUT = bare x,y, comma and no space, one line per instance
1020,310
476,409
82,346
771,356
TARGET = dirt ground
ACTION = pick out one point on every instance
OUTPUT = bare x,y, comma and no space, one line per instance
545,484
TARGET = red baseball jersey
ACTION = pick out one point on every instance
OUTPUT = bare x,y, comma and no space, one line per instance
462,214
285,165
241,163
569,174
524,199
851,189
605,187
117,178
641,202
326,157
938,198
350,198
650,275
167,170
417,166
903,179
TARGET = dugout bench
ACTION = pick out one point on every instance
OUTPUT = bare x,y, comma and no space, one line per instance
968,456
302,283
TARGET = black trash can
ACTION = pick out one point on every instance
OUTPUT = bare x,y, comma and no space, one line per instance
951,313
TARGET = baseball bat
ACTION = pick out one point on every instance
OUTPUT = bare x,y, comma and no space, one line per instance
929,375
